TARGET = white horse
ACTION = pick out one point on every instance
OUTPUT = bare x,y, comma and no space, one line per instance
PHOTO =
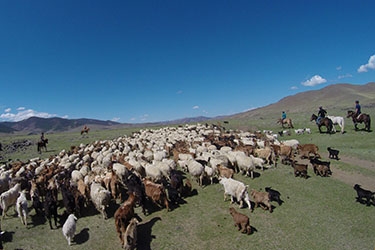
337,120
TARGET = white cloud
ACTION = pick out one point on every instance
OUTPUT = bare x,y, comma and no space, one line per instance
294,88
115,119
338,68
315,80
196,107
179,92
8,110
344,76
23,114
369,65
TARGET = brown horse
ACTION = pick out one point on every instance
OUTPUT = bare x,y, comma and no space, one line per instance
323,122
287,121
42,144
85,130
365,118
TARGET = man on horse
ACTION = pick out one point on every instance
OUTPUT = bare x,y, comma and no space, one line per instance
321,114
42,139
283,117
357,109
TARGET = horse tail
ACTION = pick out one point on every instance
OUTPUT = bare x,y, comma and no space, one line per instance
369,123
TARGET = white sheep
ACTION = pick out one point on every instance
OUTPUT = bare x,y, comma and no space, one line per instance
9,198
69,228
196,169
154,172
100,197
21,206
257,161
245,163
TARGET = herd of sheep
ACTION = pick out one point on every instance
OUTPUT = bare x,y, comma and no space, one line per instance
93,173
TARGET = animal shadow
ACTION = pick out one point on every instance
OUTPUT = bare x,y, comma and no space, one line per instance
82,236
253,230
144,232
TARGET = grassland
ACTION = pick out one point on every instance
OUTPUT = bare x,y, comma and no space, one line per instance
317,213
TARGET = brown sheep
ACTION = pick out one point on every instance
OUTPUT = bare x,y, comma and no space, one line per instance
224,171
241,221
261,198
130,236
306,149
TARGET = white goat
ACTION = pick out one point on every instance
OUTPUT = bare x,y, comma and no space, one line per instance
235,189
9,198
21,206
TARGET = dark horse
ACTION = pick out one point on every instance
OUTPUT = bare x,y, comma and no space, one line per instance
365,118
323,122
85,130
42,144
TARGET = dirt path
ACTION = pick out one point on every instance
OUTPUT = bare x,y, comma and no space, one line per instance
354,178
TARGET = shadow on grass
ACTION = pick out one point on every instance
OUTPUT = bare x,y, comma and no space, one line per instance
82,236
145,233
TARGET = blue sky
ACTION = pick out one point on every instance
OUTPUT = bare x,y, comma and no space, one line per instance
147,61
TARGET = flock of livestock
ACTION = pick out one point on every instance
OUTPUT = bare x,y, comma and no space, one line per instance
153,169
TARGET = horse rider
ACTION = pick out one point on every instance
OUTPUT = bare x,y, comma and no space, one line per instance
283,117
357,109
42,139
321,114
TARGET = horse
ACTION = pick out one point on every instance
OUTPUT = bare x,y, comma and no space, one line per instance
85,130
337,120
287,121
365,118
42,144
323,122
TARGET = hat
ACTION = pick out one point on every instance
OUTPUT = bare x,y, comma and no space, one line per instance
356,101
320,107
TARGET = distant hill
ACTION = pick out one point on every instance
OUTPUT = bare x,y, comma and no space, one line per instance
336,97
55,124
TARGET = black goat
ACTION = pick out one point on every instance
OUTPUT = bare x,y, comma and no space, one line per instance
274,195
50,208
364,196
333,153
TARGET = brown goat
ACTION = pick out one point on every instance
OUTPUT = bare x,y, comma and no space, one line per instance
224,171
261,198
306,149
123,215
299,169
156,193
241,221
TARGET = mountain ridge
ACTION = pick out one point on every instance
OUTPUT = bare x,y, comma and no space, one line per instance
340,96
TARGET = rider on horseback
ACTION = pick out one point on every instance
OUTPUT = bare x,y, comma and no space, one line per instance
42,139
357,109
283,117
321,114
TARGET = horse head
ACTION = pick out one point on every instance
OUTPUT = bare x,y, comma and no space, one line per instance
350,113
313,117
